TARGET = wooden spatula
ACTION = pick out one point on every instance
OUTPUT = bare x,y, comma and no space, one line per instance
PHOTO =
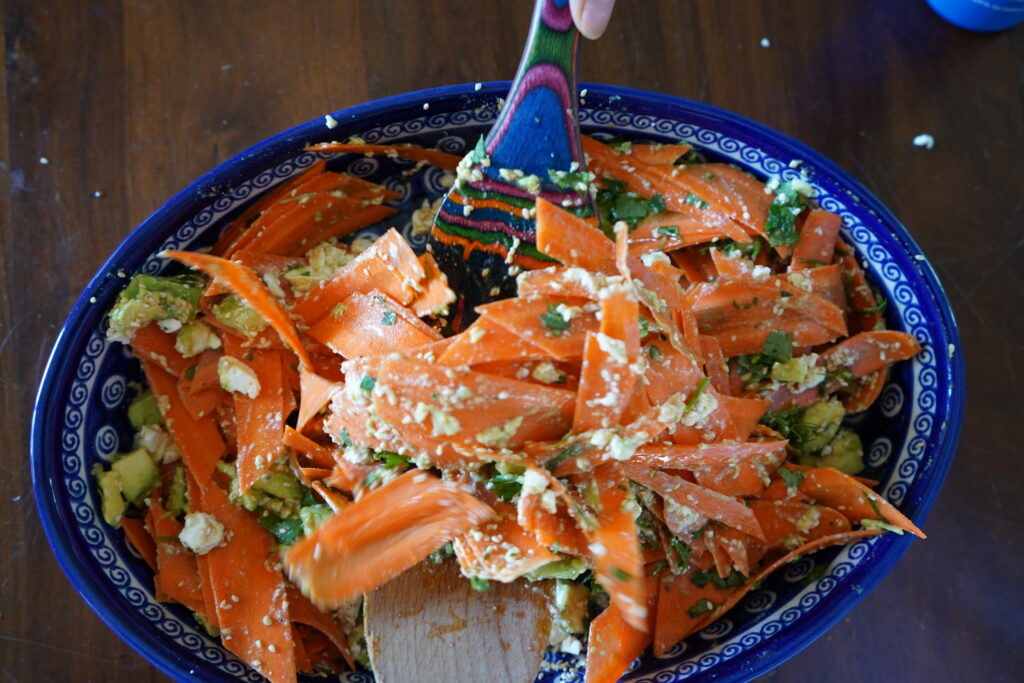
428,624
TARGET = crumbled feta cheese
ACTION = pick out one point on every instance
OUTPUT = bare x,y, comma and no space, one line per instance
616,348
331,122
547,373
801,281
235,375
497,437
169,325
201,533
652,257
534,483
158,443
761,273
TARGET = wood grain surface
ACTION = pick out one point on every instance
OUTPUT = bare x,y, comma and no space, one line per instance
429,624
130,100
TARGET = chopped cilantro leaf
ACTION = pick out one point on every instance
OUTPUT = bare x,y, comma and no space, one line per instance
654,352
778,346
570,451
694,200
682,550
478,584
657,203
437,557
367,383
645,326
780,226
479,152
793,478
701,607
389,318
345,438
569,180
190,372
615,203
506,486
669,231
553,321
391,460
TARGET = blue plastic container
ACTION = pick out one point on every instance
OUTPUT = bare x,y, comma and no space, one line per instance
980,15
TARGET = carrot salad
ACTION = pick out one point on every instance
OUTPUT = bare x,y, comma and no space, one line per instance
656,423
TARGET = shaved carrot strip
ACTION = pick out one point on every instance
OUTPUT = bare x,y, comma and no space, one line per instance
714,505
500,549
388,265
615,549
817,240
249,591
525,318
302,611
369,324
412,152
679,598
658,153
427,405
870,352
316,392
614,640
199,441
608,376
572,240
245,283
436,295
486,342
785,522
153,344
140,539
177,576
382,534
260,420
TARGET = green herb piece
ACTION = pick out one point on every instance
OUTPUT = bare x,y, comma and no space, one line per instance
570,180
814,263
437,557
367,383
615,203
793,478
696,394
389,318
701,579
654,352
391,460
554,322
783,294
778,346
506,486
780,226
570,451
693,200
345,438
479,584
657,203
479,152
881,303
701,607
682,550
621,575
645,326
669,231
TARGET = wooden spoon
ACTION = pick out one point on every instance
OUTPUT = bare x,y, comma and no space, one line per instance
429,624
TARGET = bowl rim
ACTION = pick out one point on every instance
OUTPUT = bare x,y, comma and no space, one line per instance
47,409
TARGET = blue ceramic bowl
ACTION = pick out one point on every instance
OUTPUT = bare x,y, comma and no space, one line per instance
909,435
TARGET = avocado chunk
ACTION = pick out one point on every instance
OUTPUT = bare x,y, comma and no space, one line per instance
138,474
176,501
845,453
566,568
313,516
143,410
148,298
281,485
112,503
821,424
234,312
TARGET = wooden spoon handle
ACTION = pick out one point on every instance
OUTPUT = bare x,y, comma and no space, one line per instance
536,131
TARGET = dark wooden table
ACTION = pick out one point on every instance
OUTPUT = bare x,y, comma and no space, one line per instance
109,107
